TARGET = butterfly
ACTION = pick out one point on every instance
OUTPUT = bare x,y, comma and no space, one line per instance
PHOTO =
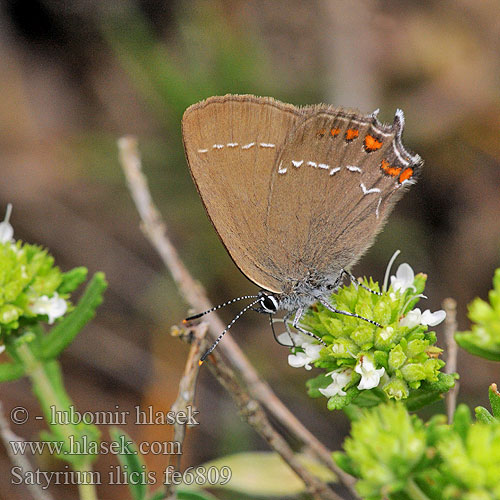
296,194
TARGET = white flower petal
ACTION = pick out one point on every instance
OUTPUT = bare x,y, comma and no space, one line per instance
285,338
312,351
54,307
332,390
6,232
340,378
299,360
404,278
433,319
412,318
2,348
370,377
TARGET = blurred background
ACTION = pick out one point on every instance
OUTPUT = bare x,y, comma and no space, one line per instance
76,75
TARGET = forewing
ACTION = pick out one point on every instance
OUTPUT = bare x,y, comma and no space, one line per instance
335,182
231,145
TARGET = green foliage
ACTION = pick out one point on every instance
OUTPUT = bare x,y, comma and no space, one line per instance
484,337
482,414
48,386
27,275
132,462
395,455
366,364
68,328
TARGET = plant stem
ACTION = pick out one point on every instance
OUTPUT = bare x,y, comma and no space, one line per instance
86,490
414,492
48,396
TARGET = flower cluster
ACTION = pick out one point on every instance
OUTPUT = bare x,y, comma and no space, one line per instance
392,360
393,453
32,288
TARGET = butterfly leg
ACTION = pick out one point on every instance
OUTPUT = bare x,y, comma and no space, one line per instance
346,313
287,327
298,315
344,272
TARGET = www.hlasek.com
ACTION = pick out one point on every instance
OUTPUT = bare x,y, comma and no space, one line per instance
120,475
85,446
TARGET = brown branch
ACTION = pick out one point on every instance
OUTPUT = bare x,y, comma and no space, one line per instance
185,397
155,230
252,411
450,327
19,460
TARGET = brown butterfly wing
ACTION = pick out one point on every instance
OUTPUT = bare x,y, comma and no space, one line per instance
335,182
231,145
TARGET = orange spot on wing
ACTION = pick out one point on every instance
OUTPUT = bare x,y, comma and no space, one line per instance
335,132
389,169
351,134
372,144
321,132
407,174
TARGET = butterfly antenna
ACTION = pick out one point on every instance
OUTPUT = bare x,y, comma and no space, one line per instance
199,315
233,321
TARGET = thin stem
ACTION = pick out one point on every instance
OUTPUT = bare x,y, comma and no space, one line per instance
86,491
48,397
450,327
185,396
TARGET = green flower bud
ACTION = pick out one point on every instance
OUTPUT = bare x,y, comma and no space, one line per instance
396,389
396,358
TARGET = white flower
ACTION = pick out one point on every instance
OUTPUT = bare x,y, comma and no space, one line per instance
340,379
404,278
312,350
433,319
370,377
296,339
54,307
305,358
6,230
416,317
2,348
300,359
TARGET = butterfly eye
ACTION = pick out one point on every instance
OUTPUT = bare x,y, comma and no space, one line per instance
269,304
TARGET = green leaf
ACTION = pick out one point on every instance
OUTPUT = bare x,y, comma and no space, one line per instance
483,415
66,330
430,391
469,342
494,396
266,474
132,461
462,420
71,280
11,371
339,402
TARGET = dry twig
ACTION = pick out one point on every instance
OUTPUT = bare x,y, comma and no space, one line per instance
450,327
155,230
187,386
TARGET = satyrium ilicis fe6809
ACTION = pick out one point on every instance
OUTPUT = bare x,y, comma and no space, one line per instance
296,194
